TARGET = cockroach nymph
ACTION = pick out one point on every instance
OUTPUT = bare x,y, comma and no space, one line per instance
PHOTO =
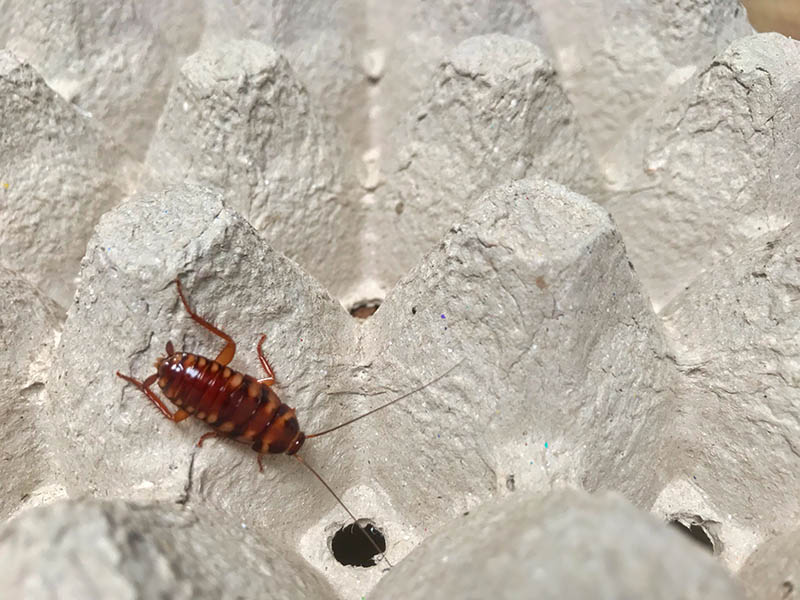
236,405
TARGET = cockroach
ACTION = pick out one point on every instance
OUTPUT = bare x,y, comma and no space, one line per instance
236,405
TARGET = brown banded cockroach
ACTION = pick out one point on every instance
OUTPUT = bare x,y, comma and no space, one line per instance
236,405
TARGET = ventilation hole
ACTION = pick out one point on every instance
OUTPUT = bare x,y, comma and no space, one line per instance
367,308
352,548
695,532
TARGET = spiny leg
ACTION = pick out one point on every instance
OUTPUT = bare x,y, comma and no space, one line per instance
224,357
270,378
145,387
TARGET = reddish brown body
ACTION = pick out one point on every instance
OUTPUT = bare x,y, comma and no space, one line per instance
235,405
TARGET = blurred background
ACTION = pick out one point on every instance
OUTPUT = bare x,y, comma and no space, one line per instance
775,15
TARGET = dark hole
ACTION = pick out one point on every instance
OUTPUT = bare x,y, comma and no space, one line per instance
696,532
352,548
367,308
134,538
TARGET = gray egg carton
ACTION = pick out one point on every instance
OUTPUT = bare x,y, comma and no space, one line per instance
580,224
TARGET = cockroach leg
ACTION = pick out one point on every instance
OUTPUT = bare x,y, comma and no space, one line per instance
224,357
145,387
260,464
205,436
270,378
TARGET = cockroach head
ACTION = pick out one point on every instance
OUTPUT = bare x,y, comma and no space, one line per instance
170,353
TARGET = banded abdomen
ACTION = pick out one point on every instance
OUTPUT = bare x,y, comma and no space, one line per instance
234,404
